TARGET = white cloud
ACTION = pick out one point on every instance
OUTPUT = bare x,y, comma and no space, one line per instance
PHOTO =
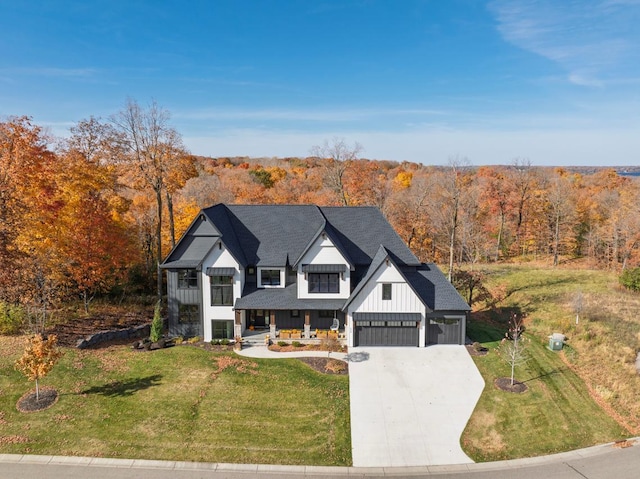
594,41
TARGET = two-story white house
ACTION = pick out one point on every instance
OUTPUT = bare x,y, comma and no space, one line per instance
301,267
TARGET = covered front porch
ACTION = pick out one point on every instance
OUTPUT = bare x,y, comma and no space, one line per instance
295,324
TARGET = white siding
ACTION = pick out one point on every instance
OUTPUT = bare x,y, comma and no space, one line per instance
219,258
323,251
403,299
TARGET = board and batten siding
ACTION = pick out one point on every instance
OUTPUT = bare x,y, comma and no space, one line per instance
403,299
323,251
219,257
177,296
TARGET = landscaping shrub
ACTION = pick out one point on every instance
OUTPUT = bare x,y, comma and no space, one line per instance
156,325
630,279
12,318
224,342
282,344
297,344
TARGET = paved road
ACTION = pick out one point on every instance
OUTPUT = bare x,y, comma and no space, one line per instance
600,462
409,406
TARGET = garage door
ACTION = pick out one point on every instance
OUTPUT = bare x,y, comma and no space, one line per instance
444,330
386,333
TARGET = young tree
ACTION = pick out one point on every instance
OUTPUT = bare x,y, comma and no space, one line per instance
512,347
39,357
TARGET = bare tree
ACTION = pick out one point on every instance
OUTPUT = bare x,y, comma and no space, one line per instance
512,347
151,147
339,156
450,192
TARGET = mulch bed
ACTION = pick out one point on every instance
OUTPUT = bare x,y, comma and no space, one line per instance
327,365
505,385
476,352
28,403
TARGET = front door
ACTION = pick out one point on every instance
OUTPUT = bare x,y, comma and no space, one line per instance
261,319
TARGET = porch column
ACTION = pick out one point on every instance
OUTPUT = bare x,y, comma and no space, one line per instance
237,327
272,325
307,324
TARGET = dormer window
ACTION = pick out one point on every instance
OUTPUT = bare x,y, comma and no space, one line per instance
270,277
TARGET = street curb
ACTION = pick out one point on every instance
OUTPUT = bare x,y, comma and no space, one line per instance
316,470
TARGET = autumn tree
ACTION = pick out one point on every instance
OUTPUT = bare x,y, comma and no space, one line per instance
151,148
38,359
522,177
451,183
338,157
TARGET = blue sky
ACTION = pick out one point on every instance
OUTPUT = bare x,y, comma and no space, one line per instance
554,81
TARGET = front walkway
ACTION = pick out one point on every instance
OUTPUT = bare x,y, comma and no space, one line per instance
255,351
409,406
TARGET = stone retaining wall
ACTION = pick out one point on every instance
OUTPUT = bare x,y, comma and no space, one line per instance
136,332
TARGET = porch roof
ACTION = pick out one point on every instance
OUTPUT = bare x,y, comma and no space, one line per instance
282,299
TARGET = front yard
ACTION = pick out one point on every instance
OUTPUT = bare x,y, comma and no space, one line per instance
182,403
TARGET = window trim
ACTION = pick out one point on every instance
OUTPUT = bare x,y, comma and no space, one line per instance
270,284
387,292
331,285
222,287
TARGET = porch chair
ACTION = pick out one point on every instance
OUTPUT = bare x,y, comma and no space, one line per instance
336,324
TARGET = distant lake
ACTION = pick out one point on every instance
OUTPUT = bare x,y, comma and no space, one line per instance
630,173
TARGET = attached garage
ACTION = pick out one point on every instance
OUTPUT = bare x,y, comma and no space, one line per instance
445,330
386,329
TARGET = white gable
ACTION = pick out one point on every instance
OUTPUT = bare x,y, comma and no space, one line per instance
403,299
323,251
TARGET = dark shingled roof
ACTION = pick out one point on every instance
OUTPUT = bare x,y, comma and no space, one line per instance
434,289
282,299
278,235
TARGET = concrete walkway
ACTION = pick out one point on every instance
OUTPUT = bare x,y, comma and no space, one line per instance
409,406
263,352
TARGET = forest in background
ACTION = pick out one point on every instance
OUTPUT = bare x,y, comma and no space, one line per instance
96,212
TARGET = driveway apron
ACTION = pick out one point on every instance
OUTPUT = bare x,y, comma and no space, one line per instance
409,406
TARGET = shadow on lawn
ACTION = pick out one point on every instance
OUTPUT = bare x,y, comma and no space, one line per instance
125,388
546,374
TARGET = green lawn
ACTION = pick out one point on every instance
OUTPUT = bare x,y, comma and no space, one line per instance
177,404
557,413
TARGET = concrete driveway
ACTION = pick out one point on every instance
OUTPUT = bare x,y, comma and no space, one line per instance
409,406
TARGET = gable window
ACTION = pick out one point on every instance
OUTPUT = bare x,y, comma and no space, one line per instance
187,279
221,290
386,291
270,277
324,282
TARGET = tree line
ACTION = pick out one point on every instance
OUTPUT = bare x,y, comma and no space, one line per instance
98,210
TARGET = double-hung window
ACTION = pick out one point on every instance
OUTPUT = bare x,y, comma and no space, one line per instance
221,290
187,279
324,282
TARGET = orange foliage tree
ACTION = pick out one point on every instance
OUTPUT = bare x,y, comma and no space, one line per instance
38,359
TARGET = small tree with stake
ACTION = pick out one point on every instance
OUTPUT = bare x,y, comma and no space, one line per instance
512,347
39,357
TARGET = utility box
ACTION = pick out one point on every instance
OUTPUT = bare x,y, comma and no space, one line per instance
556,341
